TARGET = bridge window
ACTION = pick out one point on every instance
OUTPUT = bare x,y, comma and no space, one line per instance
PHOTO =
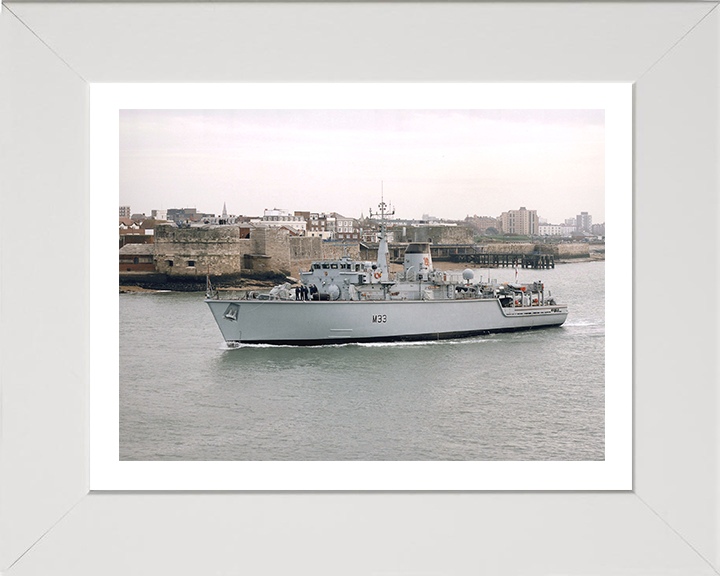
416,248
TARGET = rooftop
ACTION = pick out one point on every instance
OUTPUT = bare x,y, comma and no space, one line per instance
138,249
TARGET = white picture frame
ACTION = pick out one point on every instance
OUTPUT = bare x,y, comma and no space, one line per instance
611,472
50,52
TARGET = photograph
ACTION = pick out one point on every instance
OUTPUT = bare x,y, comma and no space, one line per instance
220,405
362,285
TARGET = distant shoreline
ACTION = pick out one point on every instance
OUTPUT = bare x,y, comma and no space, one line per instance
266,285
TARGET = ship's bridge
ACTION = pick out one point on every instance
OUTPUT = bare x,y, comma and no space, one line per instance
347,265
335,277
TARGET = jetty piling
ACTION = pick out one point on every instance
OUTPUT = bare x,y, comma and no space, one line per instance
470,255
506,260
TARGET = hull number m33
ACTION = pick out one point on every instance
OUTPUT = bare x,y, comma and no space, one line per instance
379,318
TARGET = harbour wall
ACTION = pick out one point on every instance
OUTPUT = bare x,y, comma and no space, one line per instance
182,257
335,250
226,252
580,250
198,251
434,234
566,251
560,251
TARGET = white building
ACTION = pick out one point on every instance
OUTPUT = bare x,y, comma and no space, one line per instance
550,230
276,212
159,214
277,218
323,234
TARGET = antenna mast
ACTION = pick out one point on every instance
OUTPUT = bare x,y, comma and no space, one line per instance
383,255
384,208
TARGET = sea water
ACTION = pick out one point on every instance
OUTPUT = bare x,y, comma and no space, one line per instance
531,395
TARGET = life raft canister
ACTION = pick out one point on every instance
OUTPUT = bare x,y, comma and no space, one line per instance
378,274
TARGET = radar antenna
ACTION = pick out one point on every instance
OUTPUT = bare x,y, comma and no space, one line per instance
385,209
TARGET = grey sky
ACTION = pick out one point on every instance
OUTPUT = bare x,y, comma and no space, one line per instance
446,163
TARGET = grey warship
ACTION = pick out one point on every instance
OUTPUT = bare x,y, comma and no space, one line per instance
361,301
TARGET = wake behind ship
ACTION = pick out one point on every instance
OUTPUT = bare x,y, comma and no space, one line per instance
345,300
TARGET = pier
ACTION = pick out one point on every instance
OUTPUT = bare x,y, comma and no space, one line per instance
438,252
508,259
471,255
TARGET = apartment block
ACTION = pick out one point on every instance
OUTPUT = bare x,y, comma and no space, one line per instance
523,222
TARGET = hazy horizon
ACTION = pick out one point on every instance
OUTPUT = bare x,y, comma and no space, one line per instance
445,163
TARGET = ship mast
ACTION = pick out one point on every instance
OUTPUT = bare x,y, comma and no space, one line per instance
383,258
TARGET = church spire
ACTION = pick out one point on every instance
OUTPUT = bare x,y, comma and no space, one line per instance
224,214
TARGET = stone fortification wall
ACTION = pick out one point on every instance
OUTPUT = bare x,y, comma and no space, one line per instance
304,248
190,251
274,244
575,250
580,250
438,234
509,248
335,250
303,251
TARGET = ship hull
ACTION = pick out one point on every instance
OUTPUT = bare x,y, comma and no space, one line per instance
320,322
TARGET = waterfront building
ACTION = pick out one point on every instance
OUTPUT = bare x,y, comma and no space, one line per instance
159,214
566,230
523,222
598,229
317,226
279,218
128,225
137,257
136,231
330,224
371,236
550,230
346,228
124,211
583,222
